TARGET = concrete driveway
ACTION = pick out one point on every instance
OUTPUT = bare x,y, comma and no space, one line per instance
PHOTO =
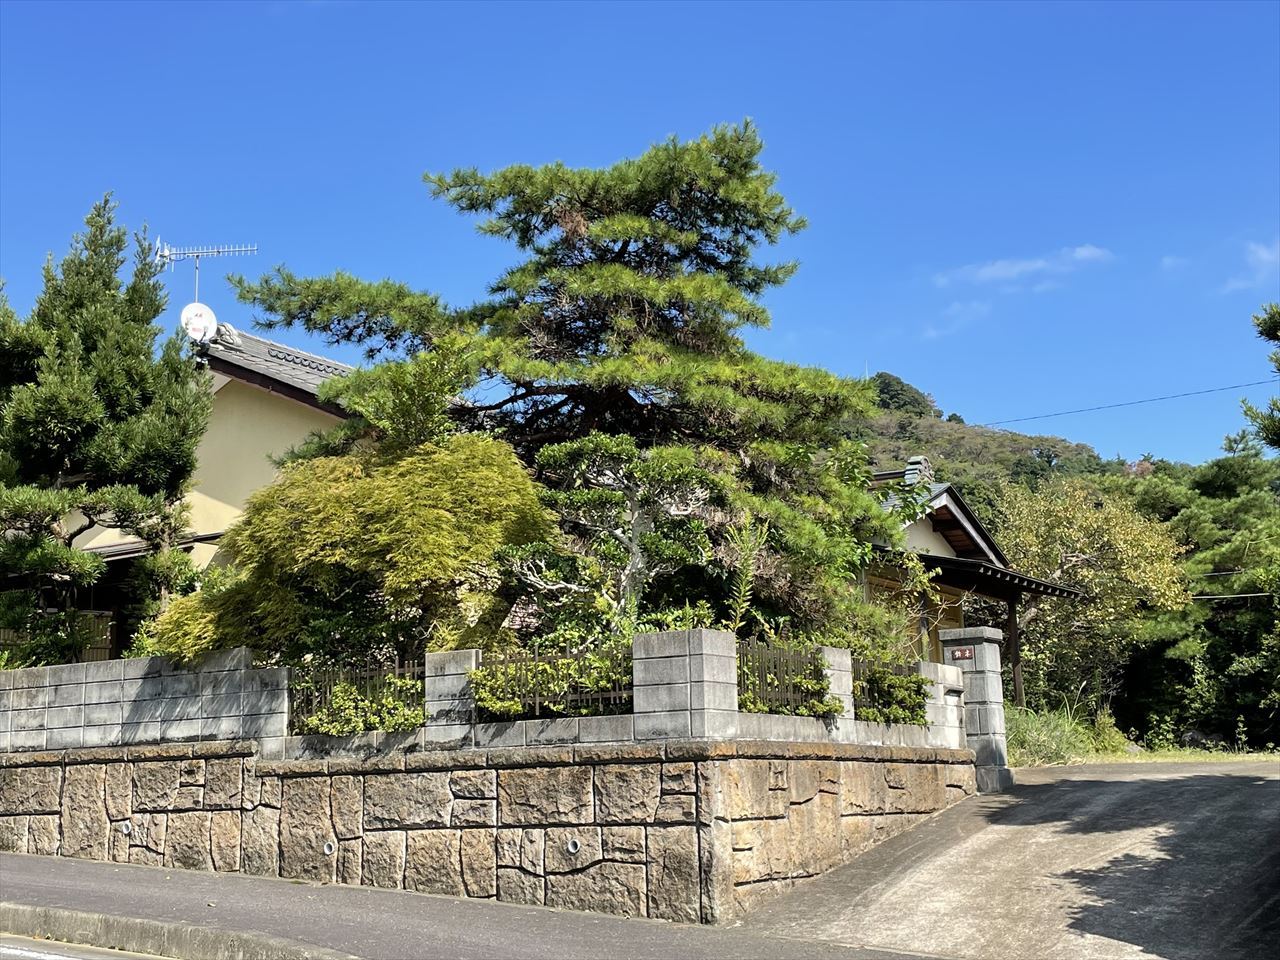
1177,861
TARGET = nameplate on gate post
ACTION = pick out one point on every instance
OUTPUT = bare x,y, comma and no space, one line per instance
962,653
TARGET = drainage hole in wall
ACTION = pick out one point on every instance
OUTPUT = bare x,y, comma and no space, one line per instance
573,845
329,848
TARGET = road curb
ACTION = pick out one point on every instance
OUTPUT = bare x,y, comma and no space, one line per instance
160,938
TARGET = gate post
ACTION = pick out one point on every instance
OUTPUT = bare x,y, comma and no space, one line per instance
976,651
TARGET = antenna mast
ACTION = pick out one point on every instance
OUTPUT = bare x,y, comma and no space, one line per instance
170,255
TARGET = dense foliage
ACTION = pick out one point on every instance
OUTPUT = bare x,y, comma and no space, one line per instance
97,429
611,357
1267,420
1065,531
359,558
1213,670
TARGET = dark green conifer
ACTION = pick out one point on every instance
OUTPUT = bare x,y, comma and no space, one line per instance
96,428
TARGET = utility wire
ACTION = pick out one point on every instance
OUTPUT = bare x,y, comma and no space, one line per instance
1127,403
1230,596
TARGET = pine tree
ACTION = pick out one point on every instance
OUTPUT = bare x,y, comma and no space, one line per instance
97,428
1267,419
626,318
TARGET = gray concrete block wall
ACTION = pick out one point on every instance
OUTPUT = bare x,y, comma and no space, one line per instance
976,652
143,700
684,684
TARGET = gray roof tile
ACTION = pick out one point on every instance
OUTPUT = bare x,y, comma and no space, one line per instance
289,365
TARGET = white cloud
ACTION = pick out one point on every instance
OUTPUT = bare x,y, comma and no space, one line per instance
958,315
1170,263
1262,264
1066,260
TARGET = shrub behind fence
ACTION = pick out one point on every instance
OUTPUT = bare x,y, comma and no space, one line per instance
777,680
528,684
313,693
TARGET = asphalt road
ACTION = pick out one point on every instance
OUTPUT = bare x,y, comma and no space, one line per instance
382,924
1178,861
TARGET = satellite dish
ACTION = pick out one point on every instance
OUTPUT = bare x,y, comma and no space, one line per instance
199,322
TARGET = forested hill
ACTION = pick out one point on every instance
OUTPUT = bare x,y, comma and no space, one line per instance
974,458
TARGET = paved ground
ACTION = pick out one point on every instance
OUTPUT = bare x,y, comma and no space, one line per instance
1178,861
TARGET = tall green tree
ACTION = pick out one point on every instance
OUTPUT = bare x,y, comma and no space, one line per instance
1267,420
1067,531
625,317
97,428
1213,669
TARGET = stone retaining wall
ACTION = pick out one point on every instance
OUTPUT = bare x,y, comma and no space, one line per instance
686,830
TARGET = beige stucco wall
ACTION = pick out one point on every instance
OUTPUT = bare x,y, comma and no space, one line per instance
246,427
921,538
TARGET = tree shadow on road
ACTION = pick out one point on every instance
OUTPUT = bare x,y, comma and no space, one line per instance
1206,885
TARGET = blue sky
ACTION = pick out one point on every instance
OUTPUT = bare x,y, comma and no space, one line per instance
1020,208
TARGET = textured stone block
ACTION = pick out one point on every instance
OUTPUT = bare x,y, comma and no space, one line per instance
384,858
187,841
627,792
44,835
545,795
474,813
623,844
474,784
84,812
434,863
147,834
350,862
571,848
673,890
749,791
347,800
118,791
679,778
617,888
224,840
479,863
223,783
259,842
400,800
516,886
308,845
13,834
521,849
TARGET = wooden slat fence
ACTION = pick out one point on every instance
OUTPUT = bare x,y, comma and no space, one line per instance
311,691
101,625
770,674
551,684
860,670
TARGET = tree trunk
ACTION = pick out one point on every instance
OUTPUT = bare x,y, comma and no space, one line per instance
1014,645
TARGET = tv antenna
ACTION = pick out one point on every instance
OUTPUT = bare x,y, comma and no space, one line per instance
170,255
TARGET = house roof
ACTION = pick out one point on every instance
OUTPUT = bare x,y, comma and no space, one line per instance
273,366
979,564
956,522
990,580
